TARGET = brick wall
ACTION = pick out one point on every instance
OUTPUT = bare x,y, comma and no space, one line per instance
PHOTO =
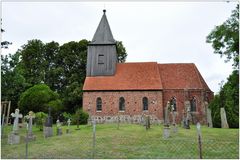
133,105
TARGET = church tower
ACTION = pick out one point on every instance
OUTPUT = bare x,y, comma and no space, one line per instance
102,53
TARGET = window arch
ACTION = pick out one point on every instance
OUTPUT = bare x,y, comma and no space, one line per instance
173,103
99,104
193,105
145,103
121,104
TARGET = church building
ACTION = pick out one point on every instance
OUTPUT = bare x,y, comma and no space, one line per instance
128,91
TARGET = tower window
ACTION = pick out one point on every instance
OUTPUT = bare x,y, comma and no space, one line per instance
100,59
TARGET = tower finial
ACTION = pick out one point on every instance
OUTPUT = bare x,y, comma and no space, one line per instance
104,11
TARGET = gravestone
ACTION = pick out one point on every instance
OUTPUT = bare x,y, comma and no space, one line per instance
68,129
174,128
47,130
147,121
224,122
30,136
209,118
186,118
166,128
59,128
13,137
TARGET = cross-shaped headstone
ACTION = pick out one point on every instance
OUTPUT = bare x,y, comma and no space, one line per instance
16,115
30,117
58,124
69,122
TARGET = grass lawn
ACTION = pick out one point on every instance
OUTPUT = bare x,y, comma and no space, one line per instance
130,141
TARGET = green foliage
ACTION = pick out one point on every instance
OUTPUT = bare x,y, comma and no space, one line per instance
61,67
121,52
40,119
67,116
81,116
225,38
39,98
228,98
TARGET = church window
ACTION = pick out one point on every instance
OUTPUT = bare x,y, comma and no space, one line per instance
99,104
121,104
173,104
193,104
145,103
100,59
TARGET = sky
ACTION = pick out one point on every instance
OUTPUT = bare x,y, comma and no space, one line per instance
163,32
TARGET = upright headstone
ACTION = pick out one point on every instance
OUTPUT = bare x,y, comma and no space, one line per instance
224,122
175,129
13,137
166,128
48,131
30,136
209,118
186,118
59,128
68,129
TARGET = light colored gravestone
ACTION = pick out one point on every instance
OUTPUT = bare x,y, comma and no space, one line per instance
59,128
166,128
47,130
209,118
68,129
13,137
224,122
30,136
174,129
186,115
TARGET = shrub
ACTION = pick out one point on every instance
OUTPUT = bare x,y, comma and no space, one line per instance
40,119
81,115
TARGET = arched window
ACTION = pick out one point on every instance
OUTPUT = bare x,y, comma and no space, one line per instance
99,104
145,103
193,104
173,103
121,104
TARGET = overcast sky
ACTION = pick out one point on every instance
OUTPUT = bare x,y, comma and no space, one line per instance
163,32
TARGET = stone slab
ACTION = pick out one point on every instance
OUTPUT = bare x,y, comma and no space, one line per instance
48,132
13,138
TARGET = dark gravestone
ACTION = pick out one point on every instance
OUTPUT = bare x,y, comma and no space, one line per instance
48,131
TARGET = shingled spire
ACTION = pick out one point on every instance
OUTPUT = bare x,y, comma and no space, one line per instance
103,34
102,53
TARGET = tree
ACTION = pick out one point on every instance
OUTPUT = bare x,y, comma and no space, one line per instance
38,98
225,38
225,41
4,44
61,67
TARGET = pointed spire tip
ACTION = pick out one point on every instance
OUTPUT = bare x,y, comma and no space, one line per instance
104,11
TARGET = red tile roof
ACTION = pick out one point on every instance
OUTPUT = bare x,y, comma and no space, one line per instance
129,76
148,76
181,76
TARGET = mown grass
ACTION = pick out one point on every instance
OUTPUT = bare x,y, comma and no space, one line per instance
130,141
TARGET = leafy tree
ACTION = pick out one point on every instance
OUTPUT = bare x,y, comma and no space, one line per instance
4,44
61,67
225,38
38,98
13,82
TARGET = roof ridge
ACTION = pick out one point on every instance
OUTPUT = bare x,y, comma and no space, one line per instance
196,71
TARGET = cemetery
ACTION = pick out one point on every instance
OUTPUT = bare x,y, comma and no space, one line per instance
118,140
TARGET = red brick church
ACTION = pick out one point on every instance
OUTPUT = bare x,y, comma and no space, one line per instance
130,90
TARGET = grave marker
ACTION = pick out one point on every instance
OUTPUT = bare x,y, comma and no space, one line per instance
59,128
13,137
68,122
30,136
224,122
48,131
